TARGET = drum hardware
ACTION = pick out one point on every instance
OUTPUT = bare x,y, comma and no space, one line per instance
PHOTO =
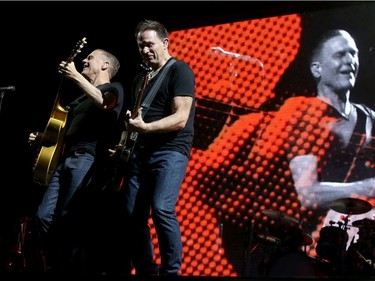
267,239
341,224
271,243
367,261
265,249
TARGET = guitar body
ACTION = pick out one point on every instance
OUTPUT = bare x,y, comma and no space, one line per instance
121,158
51,147
128,148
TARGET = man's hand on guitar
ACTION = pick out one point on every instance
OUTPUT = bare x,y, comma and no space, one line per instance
34,137
135,123
128,115
68,69
115,152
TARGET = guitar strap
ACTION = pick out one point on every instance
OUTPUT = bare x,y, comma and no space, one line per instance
151,94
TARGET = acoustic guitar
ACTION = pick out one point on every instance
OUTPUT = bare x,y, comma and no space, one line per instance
50,143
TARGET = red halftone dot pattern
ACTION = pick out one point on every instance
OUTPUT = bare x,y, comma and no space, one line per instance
223,180
264,49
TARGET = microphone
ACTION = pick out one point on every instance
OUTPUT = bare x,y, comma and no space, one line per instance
8,88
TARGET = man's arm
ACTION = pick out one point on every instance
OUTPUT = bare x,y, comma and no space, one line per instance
181,107
312,192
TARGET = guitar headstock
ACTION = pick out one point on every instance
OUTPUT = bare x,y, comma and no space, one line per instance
77,49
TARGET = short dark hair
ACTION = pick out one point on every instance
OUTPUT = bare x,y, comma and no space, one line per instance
114,63
322,40
160,29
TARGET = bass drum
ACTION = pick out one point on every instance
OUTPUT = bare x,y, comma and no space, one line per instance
292,264
332,243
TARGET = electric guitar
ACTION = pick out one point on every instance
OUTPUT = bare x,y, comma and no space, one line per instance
129,138
50,143
127,141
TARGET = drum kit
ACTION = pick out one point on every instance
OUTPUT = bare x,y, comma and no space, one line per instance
333,240
286,233
281,244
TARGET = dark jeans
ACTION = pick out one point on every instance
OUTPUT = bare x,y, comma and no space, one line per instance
57,219
154,180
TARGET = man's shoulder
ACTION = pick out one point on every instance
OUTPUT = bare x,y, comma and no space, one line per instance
365,109
180,63
302,102
111,85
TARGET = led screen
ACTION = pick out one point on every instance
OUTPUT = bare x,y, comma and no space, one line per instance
256,111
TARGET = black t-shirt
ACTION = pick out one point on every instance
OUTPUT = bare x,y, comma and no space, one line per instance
92,128
178,81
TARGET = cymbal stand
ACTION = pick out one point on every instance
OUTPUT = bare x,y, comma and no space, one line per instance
3,90
341,256
372,250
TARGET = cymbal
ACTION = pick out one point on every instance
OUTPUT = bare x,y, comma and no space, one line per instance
277,215
364,223
352,206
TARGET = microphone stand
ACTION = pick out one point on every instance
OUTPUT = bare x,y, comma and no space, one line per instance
2,93
1,98
247,245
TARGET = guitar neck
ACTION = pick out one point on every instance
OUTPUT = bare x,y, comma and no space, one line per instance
138,101
58,111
